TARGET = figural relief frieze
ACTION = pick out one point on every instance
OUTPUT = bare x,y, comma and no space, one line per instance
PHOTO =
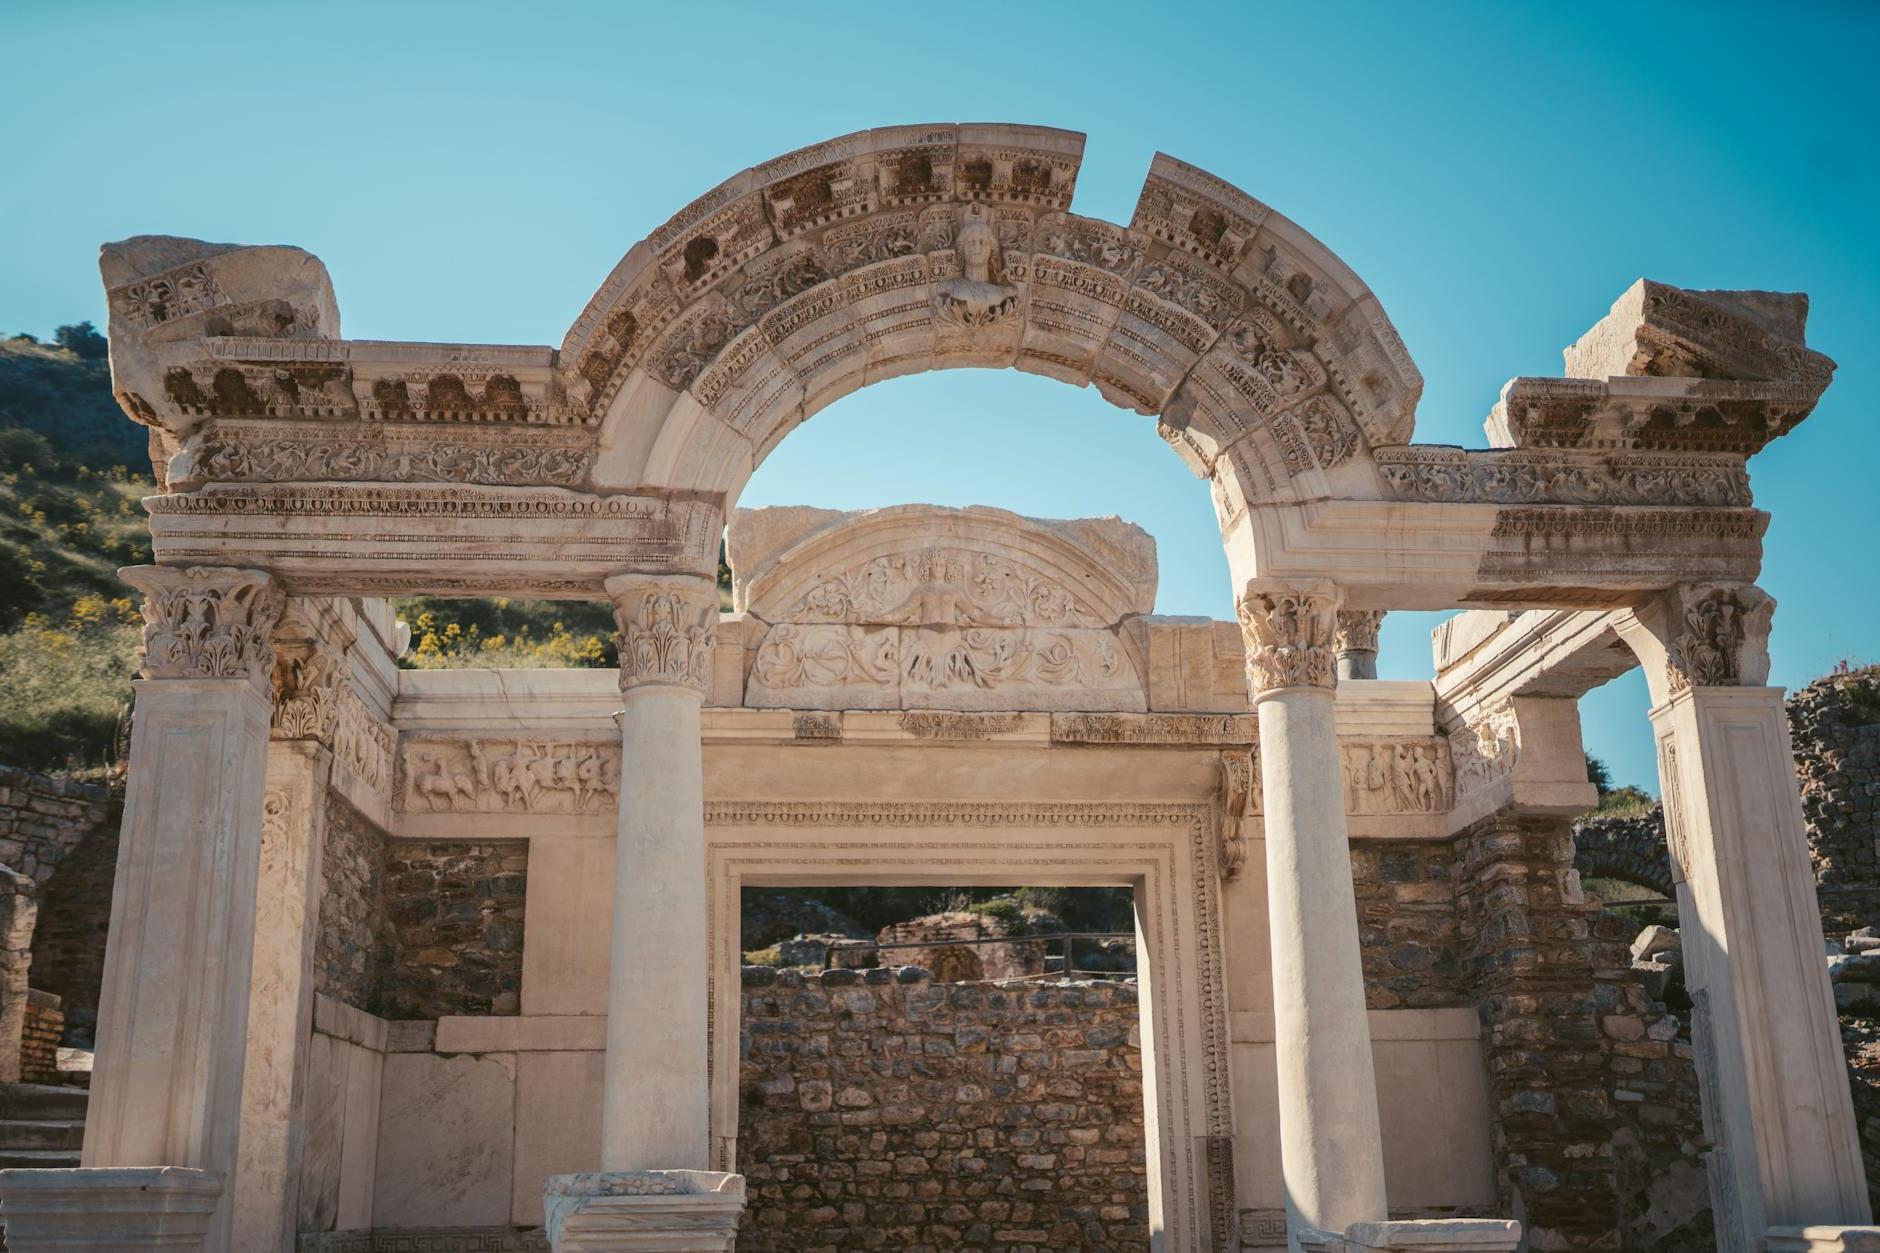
520,776
1401,776
207,622
977,298
1485,750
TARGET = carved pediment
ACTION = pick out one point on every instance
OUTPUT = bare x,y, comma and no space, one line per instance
946,608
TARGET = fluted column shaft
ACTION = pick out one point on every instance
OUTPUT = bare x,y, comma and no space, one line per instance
1331,1149
655,1114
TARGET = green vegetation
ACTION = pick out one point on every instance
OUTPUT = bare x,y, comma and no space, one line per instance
1623,801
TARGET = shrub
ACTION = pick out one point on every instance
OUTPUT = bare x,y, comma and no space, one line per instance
65,690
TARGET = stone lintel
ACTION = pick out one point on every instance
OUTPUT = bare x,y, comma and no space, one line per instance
646,1211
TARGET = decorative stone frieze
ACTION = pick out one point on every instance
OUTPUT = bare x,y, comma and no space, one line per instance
1433,472
667,626
1289,629
1401,776
1670,415
207,622
519,775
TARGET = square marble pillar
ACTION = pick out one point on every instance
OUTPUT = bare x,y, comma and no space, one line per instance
280,1008
173,1013
643,1211
1786,1150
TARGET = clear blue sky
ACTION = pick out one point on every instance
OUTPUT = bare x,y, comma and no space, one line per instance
1497,173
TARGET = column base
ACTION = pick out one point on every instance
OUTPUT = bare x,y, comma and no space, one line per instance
1824,1239
645,1211
1433,1235
108,1209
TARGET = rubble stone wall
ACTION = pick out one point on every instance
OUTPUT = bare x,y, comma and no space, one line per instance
39,1040
880,1109
352,957
43,818
1407,924
454,912
1835,724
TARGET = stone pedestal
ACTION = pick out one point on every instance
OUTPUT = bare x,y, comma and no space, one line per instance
1776,1106
1331,1146
643,1211
656,1110
173,1015
119,1210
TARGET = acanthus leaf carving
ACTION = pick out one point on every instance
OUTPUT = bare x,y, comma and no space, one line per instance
207,622
1715,628
668,624
1240,800
1288,631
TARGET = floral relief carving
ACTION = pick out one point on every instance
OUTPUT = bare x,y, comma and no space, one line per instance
1708,649
307,685
1357,630
1288,632
508,776
229,457
1525,476
667,629
173,294
1240,800
207,622
941,584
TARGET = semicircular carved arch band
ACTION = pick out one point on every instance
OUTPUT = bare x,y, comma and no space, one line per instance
907,249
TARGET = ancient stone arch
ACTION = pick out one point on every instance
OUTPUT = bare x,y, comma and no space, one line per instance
1612,509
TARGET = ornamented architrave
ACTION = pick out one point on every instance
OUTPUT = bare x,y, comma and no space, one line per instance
668,624
207,622
1288,629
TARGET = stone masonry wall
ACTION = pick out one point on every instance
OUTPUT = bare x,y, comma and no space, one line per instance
39,1041
353,953
455,918
1597,1123
42,818
879,1109
1407,924
1835,724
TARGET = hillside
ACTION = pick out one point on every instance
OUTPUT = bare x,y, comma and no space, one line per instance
72,472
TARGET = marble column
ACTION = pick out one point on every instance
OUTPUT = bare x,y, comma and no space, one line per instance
655,1112
173,1014
1356,642
1786,1151
310,683
1331,1149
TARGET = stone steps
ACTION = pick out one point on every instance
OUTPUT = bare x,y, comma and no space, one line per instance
41,1126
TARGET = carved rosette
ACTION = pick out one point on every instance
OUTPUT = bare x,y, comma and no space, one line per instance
207,622
1357,630
1715,627
1288,629
668,624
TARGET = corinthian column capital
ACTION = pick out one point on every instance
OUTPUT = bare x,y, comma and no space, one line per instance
1701,635
667,623
1289,628
207,622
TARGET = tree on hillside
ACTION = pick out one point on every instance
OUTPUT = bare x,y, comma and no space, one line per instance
82,340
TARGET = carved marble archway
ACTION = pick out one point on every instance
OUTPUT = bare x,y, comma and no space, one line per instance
365,468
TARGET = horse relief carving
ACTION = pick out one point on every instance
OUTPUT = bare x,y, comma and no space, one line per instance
509,776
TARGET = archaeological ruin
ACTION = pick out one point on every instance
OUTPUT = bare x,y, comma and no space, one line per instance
442,960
